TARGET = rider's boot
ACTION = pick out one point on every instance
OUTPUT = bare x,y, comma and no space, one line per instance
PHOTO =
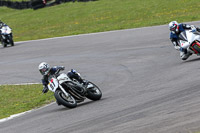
85,83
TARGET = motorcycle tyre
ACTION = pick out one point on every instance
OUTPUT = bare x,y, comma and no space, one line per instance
62,101
11,41
91,95
4,44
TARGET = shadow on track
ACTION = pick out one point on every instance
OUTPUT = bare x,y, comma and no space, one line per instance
15,44
1,47
62,108
192,60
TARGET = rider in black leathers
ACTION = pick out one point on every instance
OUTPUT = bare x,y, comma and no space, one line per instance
1,25
47,72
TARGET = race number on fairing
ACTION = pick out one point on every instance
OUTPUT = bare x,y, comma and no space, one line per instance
53,84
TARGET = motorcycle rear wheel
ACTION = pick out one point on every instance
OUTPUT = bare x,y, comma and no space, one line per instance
68,102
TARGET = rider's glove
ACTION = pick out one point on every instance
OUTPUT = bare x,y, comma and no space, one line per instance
45,89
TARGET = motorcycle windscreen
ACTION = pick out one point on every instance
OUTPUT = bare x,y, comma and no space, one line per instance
182,36
191,37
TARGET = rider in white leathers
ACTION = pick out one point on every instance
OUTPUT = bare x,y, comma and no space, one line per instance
176,29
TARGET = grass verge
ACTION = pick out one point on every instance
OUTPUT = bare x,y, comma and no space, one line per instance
96,16
19,98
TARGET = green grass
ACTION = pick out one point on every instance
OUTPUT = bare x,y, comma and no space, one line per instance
19,98
102,15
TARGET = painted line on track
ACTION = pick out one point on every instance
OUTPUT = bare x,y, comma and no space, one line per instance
21,84
19,114
23,113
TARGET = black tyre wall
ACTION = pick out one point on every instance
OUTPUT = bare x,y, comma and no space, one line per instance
62,101
92,96
36,4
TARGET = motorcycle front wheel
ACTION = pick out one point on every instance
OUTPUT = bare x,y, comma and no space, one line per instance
3,43
69,101
11,40
93,93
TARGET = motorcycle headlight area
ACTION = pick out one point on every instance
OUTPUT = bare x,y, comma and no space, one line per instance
5,30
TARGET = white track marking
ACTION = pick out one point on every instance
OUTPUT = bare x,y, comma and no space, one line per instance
20,114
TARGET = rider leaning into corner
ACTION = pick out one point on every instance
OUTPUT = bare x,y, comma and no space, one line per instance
1,25
176,29
48,72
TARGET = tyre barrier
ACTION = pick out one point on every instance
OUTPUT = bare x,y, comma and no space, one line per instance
35,4
15,5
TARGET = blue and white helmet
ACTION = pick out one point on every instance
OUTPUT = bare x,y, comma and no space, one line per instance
44,68
173,26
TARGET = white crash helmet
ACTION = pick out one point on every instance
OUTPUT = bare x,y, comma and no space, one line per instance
173,26
44,68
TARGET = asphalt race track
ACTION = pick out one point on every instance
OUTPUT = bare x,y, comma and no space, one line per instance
146,87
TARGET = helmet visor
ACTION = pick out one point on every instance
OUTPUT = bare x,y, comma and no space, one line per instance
43,71
173,29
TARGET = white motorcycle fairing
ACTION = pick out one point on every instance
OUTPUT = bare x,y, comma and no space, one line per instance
54,83
63,78
6,30
188,37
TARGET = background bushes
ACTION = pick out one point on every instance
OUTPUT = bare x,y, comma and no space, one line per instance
35,4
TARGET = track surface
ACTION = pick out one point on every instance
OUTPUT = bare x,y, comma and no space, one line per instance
146,87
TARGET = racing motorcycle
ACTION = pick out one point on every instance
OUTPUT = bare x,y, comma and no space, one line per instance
6,36
190,40
68,92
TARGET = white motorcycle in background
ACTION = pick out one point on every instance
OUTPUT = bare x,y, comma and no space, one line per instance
190,40
68,92
6,36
